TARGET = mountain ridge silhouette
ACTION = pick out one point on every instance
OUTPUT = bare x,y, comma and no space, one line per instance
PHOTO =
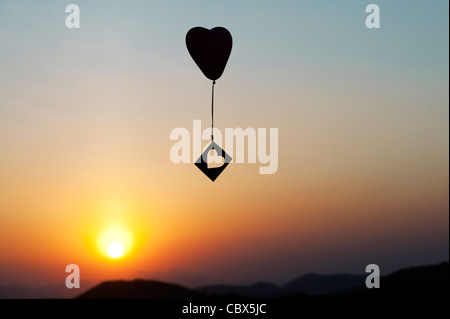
139,289
310,284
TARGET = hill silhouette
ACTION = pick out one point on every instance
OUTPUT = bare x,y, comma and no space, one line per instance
411,281
311,284
139,289
424,275
415,280
417,291
321,284
315,284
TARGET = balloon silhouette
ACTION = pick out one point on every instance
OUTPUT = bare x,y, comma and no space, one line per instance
210,49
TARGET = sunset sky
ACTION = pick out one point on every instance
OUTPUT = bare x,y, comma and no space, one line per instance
86,115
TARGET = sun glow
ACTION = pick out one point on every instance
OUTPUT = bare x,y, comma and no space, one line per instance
115,241
115,250
114,221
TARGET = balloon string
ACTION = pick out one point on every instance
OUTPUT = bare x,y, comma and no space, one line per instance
212,112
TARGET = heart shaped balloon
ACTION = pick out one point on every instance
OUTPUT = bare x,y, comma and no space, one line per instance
210,49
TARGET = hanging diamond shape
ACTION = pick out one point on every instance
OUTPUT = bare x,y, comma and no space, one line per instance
204,164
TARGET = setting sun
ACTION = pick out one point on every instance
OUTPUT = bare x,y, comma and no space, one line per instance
115,241
114,230
115,250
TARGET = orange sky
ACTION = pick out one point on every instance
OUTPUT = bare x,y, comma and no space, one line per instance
85,120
